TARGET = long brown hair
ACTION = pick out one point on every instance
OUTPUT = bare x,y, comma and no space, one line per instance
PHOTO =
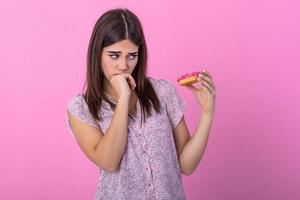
113,26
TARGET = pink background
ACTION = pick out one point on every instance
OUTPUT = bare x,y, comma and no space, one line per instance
251,48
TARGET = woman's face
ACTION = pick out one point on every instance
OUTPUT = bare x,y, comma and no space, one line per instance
120,57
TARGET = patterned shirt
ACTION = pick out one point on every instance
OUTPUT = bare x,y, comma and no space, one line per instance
149,168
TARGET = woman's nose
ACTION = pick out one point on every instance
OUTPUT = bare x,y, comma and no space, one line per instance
123,65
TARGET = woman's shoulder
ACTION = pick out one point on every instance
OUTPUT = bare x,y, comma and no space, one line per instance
162,85
77,99
77,103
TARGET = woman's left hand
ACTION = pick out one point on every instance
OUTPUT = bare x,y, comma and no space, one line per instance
206,94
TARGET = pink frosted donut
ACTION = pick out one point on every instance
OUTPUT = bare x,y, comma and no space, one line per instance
188,79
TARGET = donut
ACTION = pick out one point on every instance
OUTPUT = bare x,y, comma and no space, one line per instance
188,79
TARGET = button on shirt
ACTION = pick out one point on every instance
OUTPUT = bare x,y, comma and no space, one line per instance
149,168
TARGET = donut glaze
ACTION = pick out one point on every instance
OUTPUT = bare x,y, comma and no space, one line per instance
188,79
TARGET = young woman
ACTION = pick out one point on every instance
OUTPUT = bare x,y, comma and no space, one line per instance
130,125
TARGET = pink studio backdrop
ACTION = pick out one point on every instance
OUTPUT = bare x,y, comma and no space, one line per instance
250,47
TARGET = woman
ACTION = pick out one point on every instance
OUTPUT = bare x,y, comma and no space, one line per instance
130,125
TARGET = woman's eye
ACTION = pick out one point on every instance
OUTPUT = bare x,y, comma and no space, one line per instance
114,56
133,57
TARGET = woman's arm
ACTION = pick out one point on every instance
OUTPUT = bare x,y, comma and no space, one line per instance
192,149
112,145
105,150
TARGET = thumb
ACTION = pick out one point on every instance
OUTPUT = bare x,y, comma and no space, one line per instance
191,88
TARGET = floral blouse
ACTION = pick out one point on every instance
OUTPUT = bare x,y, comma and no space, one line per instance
149,168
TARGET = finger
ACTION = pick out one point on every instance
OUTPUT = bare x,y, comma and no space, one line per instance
207,86
206,73
131,80
207,79
191,87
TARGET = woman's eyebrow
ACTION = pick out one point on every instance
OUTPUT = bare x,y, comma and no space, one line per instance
118,52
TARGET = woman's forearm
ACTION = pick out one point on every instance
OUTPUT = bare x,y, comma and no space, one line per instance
195,147
112,145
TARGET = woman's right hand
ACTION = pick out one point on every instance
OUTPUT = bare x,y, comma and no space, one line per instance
123,84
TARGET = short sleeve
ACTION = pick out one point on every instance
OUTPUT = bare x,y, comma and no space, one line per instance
79,109
174,104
